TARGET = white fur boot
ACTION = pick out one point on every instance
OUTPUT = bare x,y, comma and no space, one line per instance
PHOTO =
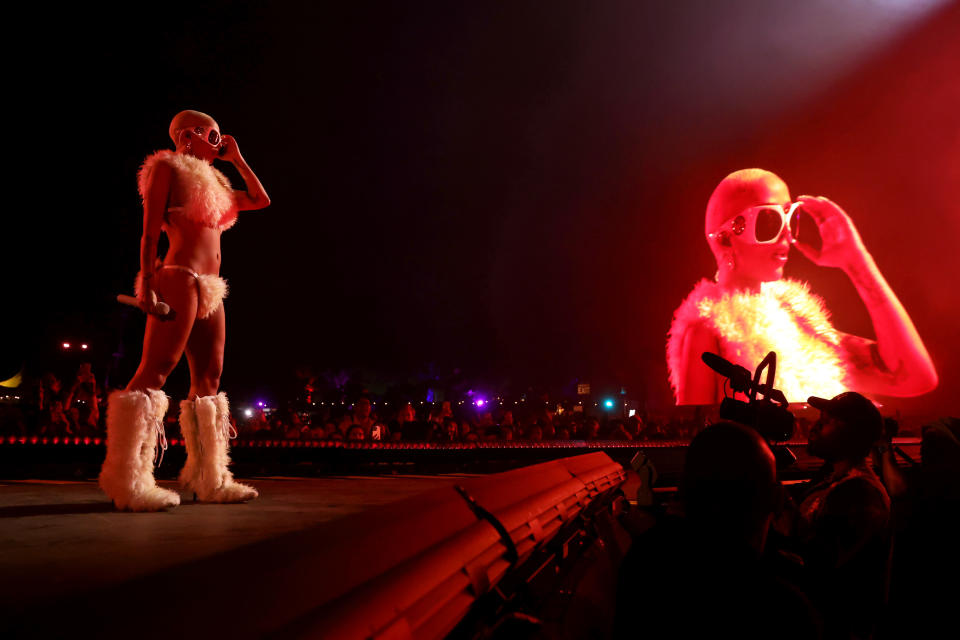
205,424
134,420
191,442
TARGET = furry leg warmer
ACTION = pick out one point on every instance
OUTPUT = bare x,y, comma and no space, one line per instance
190,474
205,425
134,419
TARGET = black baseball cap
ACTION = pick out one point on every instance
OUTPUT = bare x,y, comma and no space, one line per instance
853,408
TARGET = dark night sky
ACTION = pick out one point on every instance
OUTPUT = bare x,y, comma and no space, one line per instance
516,190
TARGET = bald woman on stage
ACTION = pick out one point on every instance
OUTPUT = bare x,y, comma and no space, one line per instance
193,203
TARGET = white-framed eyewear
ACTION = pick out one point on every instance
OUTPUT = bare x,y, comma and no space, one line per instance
763,223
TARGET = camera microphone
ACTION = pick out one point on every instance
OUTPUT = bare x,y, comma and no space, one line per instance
769,415
739,376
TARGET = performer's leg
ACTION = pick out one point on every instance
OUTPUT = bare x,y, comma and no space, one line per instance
205,353
135,415
205,420
165,339
205,357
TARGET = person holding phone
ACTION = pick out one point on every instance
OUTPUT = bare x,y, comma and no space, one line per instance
83,397
185,197
749,309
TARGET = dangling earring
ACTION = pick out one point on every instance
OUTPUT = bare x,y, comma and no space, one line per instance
731,261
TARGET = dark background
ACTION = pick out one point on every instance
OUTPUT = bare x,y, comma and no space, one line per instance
515,190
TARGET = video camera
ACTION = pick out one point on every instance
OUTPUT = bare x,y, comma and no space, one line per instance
768,415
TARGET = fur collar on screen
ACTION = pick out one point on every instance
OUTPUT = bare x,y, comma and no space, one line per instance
784,317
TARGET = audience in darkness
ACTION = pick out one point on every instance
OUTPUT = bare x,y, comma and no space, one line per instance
705,574
82,402
441,421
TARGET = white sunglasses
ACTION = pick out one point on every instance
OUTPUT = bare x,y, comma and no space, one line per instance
764,223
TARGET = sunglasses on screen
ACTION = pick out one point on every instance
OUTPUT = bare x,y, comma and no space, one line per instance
764,223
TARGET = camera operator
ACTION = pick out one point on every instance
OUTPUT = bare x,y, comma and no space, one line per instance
842,524
705,574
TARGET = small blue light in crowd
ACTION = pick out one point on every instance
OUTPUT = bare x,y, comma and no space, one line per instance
608,403
480,402
260,403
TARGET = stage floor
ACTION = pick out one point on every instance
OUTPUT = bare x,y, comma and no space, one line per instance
60,538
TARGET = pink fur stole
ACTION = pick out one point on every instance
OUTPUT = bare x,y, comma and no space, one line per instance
209,196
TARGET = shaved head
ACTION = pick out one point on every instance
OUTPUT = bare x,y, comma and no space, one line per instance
740,190
187,119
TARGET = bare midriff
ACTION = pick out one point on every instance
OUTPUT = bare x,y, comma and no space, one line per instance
192,244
